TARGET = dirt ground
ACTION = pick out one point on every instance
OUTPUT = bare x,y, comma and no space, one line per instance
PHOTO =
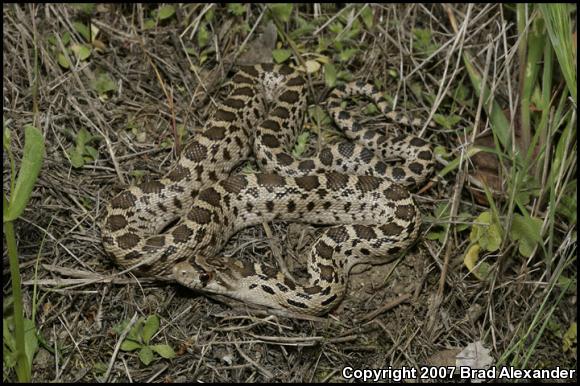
421,310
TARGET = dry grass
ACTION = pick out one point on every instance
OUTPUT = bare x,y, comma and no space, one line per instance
430,302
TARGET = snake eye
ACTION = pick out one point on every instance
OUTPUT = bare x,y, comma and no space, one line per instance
204,278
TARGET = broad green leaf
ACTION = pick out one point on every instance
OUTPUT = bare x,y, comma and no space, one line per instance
527,230
130,345
486,232
319,116
304,28
149,24
436,235
150,327
65,38
442,151
87,8
281,11
30,340
371,109
209,15
76,158
238,9
83,30
30,167
91,152
330,74
447,121
164,350
570,337
104,84
63,61
136,331
301,144
82,137
202,35
367,16
146,355
480,271
165,12
281,55
120,327
81,51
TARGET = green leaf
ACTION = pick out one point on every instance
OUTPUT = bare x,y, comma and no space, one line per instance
436,235
486,232
6,136
87,8
330,74
63,61
281,55
527,230
30,167
91,152
570,337
150,327
165,12
319,116
83,30
81,51
104,84
164,350
149,24
130,345
336,27
209,15
65,38
30,340
202,35
136,331
447,122
238,9
281,11
146,355
346,54
301,144
481,270
367,16
371,109
76,158
7,334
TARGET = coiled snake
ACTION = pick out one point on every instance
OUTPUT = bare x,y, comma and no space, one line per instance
346,185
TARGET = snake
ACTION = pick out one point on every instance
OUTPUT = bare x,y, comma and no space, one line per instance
175,226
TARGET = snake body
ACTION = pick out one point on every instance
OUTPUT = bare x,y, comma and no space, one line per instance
347,185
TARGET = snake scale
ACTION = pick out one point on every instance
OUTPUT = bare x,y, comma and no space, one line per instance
347,185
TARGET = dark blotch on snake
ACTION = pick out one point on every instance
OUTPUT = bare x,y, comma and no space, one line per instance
270,179
307,182
211,196
124,200
267,289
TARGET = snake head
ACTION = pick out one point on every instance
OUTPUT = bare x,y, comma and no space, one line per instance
191,277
